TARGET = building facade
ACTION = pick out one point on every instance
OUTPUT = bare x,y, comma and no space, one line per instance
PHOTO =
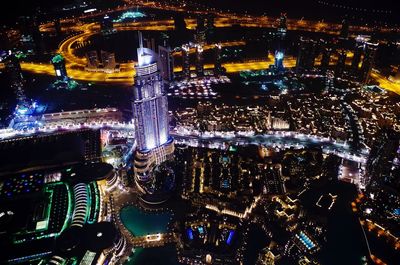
150,110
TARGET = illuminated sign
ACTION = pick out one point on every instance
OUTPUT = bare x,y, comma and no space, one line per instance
89,10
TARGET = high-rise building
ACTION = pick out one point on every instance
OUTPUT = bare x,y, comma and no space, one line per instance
282,26
210,26
179,23
344,31
166,63
200,35
57,27
108,60
150,43
58,62
307,54
341,64
5,43
12,68
150,110
279,55
326,57
218,65
15,79
186,61
92,59
358,51
199,61
368,61
29,28
106,25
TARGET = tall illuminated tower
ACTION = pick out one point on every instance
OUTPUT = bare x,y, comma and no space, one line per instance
279,60
358,52
150,110
282,26
199,61
186,61
218,57
368,61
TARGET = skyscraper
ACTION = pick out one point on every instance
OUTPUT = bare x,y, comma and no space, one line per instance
344,31
326,57
282,26
307,54
150,110
358,51
341,64
218,66
106,25
199,61
210,27
166,63
200,34
279,60
186,61
368,61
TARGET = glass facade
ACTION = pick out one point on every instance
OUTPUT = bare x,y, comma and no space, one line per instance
150,106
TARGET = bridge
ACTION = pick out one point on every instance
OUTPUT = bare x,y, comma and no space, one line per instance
153,240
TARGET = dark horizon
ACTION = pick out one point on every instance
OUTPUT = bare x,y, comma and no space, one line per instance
369,11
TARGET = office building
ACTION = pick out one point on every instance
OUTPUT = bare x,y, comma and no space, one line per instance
282,26
355,62
92,59
368,61
106,25
199,61
307,54
326,57
108,60
218,70
200,34
71,146
166,63
186,61
341,64
344,31
104,63
179,23
210,26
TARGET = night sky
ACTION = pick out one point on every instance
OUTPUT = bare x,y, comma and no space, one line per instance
17,8
308,8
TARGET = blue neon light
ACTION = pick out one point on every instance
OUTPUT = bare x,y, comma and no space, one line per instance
201,230
397,211
189,233
231,233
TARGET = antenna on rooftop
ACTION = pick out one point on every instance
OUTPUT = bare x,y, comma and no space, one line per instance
140,39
